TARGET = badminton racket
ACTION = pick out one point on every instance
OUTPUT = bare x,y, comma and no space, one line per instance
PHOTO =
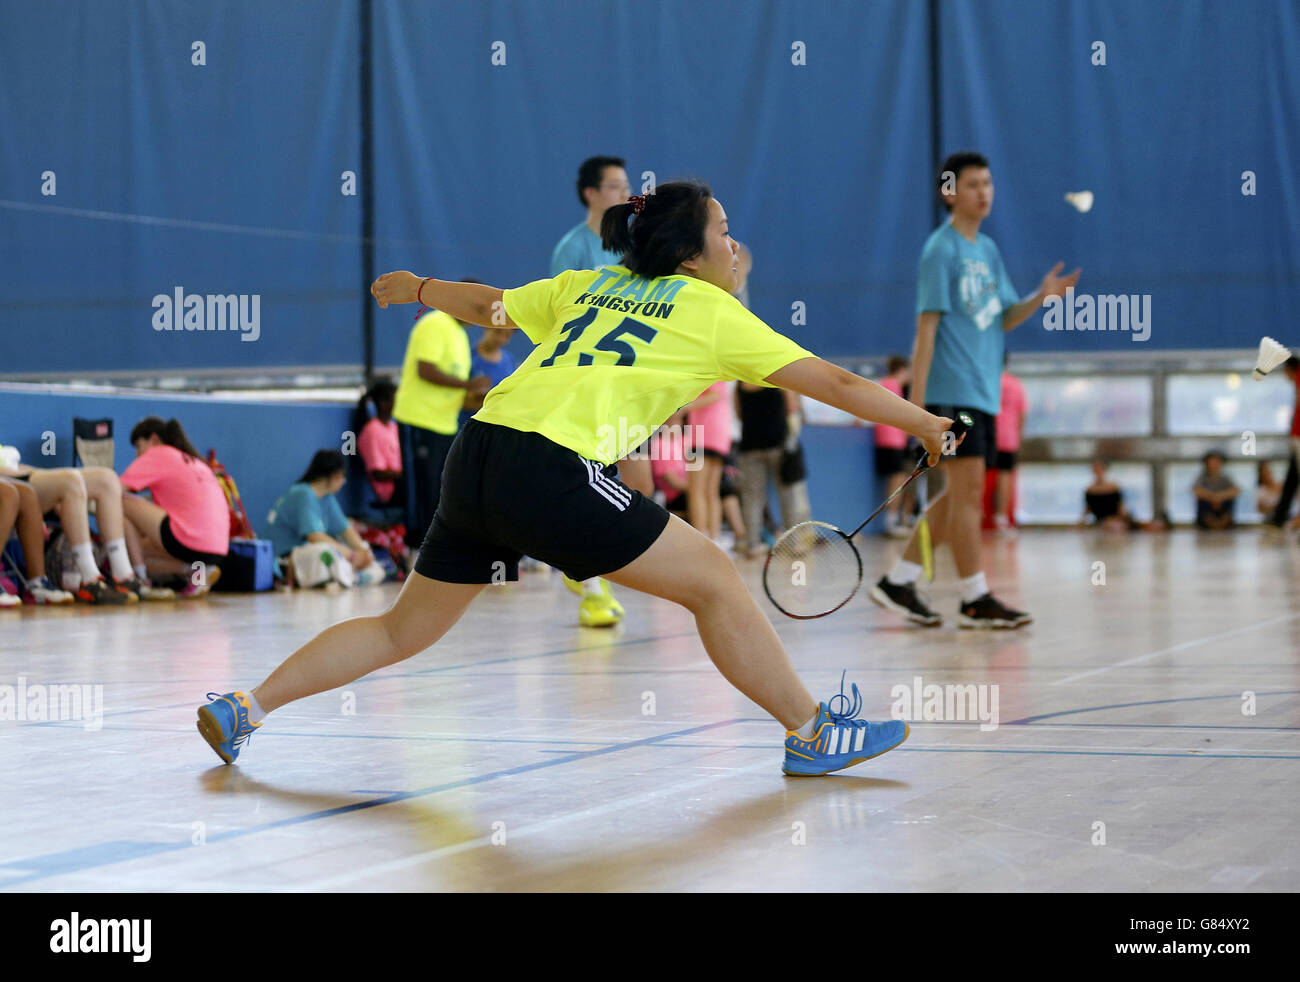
814,569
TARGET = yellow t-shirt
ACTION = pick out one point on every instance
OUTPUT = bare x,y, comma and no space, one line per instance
437,338
618,354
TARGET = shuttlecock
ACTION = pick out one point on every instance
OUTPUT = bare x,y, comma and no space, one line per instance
1082,200
1271,354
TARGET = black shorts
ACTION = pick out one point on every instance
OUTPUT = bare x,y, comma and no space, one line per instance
506,494
183,552
889,461
981,439
1006,460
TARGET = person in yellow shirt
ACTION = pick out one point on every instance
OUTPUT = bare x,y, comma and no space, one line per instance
618,350
434,383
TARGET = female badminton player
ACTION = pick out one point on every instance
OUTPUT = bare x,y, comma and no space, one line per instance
618,350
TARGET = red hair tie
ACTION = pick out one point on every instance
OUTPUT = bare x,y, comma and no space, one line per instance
637,201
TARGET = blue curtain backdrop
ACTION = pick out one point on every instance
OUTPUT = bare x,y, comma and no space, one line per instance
226,178
219,179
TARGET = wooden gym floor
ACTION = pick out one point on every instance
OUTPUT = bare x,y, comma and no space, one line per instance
518,754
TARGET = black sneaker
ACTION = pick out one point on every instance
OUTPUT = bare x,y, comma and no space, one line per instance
902,600
989,613
103,591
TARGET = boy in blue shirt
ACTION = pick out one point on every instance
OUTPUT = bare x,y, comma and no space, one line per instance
965,301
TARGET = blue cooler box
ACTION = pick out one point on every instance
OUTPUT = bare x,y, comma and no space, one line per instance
249,567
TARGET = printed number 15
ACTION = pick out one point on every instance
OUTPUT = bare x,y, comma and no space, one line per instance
626,353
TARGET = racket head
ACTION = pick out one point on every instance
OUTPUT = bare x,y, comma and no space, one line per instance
812,570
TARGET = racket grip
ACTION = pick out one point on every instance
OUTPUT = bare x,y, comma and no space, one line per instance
960,425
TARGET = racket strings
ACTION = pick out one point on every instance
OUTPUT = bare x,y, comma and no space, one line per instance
812,570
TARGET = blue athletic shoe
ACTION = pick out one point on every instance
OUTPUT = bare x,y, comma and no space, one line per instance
223,722
840,740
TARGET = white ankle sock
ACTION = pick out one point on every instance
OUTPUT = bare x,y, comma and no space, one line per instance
903,573
255,712
70,580
973,587
85,554
119,561
806,731
592,588
142,572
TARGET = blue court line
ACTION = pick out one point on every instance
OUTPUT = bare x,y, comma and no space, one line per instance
379,736
106,853
1150,702
1000,750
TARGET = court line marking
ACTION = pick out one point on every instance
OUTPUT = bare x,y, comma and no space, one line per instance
1029,720
1179,647
1058,751
330,883
120,850
116,851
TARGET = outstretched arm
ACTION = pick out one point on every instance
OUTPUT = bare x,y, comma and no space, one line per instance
1053,285
473,303
835,386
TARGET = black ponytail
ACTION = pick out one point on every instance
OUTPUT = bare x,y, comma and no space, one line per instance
324,463
669,230
169,432
381,389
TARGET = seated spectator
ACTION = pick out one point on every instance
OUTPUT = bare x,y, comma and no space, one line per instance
309,512
1216,494
68,491
19,505
1104,502
188,521
378,442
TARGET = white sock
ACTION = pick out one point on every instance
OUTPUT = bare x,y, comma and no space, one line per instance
255,712
592,588
119,561
903,573
86,562
71,580
142,572
806,731
973,587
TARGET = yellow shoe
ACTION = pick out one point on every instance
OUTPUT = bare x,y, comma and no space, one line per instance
614,605
575,586
598,611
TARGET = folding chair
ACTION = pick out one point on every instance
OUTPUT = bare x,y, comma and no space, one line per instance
92,442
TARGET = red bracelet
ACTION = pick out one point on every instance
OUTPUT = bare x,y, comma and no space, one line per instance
421,289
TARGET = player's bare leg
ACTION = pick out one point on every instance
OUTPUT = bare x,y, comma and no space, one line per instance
685,567
423,612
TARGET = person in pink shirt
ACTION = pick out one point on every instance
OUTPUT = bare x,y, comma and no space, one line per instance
378,441
1009,428
668,462
188,520
891,444
709,418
